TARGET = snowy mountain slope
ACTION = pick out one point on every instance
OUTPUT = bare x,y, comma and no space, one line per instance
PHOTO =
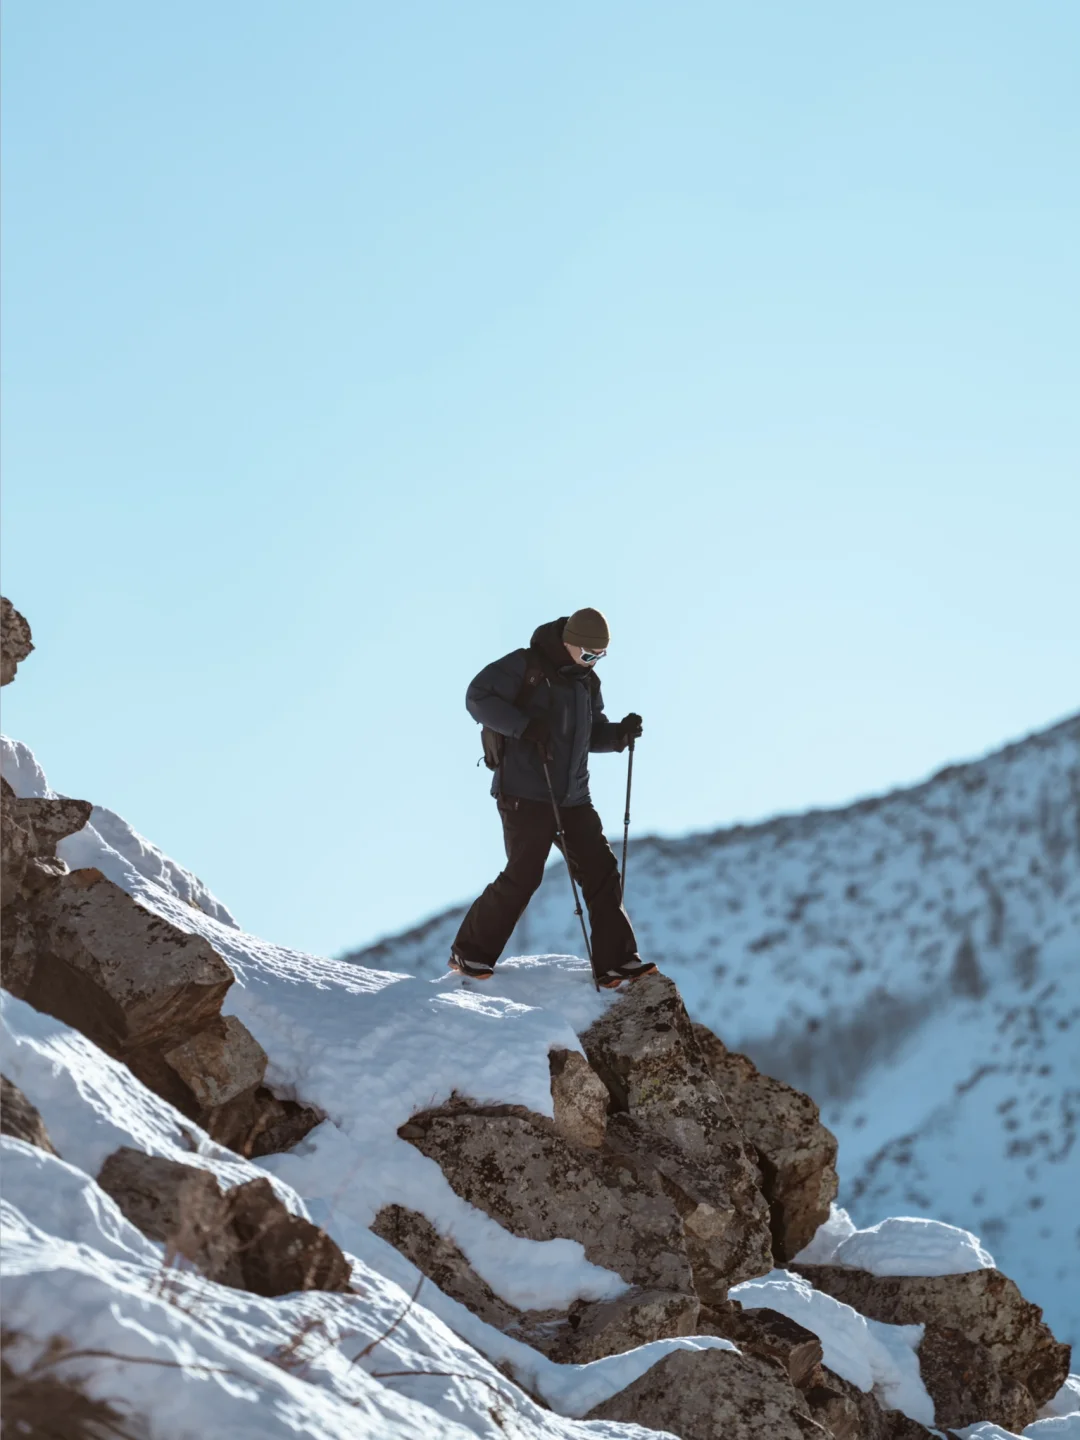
913,962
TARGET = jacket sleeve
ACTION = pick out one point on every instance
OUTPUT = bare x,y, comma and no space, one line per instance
490,698
606,734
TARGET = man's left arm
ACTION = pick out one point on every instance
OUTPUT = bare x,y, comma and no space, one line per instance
611,734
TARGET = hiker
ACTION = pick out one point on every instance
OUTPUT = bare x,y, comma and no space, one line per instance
541,707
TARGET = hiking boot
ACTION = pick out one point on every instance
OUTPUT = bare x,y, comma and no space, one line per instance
471,969
632,969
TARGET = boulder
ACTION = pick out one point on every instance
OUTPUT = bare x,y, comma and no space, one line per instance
120,974
795,1152
771,1335
15,642
276,1125
580,1098
849,1413
517,1168
245,1237
645,1050
256,1122
281,1253
30,830
967,1386
596,1329
220,1063
836,1409
985,1306
52,820
180,1206
20,1119
714,1395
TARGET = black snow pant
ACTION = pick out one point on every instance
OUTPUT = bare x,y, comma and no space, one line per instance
529,833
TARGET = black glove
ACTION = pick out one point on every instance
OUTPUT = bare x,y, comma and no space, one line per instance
630,725
538,732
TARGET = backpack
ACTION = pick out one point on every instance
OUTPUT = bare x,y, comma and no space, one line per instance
535,670
495,744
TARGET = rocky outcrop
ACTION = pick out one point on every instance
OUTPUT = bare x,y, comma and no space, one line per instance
983,1306
244,1237
149,994
796,1154
667,1109
714,1395
15,642
517,1168
20,1119
642,1164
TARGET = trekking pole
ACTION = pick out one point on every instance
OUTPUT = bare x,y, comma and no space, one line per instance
626,817
569,870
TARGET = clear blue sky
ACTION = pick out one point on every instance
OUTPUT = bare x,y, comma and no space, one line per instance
346,342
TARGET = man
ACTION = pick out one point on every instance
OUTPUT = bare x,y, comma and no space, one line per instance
541,707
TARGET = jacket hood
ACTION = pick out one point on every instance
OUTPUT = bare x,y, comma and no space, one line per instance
547,639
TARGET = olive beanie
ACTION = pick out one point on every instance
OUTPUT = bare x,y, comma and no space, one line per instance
587,628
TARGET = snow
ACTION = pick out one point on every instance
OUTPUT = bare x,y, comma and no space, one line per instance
1065,1402
1066,1427
828,1238
870,1354
900,1245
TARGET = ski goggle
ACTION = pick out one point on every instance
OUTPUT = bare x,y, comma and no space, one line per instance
590,657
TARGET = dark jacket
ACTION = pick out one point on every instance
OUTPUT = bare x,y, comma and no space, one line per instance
568,698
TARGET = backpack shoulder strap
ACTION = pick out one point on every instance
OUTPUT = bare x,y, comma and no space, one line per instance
535,672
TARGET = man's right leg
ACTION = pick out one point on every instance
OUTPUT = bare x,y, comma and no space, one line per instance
528,833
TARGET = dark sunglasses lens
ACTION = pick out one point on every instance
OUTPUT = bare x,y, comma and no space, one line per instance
590,657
